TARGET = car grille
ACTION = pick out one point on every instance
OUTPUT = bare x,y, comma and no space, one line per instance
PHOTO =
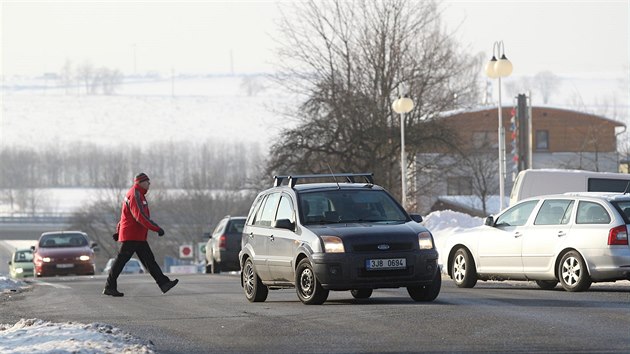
402,246
363,273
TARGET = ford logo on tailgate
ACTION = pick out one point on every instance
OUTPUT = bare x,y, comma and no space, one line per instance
383,247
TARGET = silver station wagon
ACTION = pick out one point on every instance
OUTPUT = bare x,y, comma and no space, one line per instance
318,237
574,238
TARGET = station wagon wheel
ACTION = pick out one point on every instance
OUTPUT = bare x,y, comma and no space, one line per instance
429,292
463,270
361,293
547,284
573,273
255,290
309,290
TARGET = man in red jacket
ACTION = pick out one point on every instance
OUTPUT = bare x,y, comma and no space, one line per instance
135,223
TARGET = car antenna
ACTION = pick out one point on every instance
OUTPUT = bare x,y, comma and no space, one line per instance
627,188
333,175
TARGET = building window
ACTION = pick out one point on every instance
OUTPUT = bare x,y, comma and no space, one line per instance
459,186
542,140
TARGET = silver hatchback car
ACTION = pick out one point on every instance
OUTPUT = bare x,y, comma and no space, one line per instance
574,238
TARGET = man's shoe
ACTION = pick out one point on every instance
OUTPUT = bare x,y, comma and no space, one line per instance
168,285
112,292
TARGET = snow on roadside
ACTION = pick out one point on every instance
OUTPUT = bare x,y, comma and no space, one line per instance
38,336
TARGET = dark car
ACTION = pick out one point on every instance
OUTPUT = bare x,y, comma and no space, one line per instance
224,245
319,237
63,253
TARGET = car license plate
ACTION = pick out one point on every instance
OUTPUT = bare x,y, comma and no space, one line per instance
65,265
387,263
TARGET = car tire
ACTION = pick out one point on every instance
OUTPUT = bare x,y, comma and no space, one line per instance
361,293
547,284
308,287
255,290
463,269
426,293
572,272
215,267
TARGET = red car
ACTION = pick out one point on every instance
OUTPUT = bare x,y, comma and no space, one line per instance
63,253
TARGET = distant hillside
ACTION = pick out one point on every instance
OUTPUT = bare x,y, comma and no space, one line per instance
143,111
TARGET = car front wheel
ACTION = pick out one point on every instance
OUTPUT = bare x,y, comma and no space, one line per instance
255,290
573,273
426,293
463,269
309,290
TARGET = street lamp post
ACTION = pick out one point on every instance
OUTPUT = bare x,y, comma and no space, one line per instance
496,69
401,106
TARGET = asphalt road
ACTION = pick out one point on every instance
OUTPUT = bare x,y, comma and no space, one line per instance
209,314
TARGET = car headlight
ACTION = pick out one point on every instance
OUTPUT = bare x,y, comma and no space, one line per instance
84,258
425,241
333,244
46,259
19,270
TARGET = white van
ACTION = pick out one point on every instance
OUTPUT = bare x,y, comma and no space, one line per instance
531,183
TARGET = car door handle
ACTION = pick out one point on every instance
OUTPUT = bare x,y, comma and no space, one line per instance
271,238
561,233
517,234
251,235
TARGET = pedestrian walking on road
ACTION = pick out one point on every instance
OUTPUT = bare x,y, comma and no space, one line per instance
131,231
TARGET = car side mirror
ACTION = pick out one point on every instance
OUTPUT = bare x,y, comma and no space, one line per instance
416,217
33,248
489,221
283,224
9,263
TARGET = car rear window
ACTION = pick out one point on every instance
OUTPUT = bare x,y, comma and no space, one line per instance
235,226
624,209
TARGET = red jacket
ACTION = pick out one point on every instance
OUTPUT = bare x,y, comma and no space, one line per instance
135,219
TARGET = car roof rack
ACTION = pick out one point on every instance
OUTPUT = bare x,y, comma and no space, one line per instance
350,178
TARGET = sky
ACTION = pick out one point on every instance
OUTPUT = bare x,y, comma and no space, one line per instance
566,37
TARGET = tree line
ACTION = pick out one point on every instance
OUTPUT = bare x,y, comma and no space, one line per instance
207,165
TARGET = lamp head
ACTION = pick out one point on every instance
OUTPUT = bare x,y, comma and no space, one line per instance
503,67
491,69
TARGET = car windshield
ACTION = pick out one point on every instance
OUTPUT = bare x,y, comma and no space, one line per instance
344,206
63,240
23,256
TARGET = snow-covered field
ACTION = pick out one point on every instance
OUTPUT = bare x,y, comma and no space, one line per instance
142,113
40,336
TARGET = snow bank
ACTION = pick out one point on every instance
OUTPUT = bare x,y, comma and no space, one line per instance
37,336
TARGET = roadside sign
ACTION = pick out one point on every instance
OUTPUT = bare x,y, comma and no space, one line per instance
201,251
186,251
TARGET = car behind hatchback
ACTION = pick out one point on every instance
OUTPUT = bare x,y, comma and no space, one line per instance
318,237
63,253
574,238
224,245
133,266
21,263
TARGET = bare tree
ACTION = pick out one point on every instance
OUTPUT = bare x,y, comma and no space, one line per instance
347,60
546,82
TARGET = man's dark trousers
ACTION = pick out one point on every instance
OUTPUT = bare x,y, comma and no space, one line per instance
142,249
